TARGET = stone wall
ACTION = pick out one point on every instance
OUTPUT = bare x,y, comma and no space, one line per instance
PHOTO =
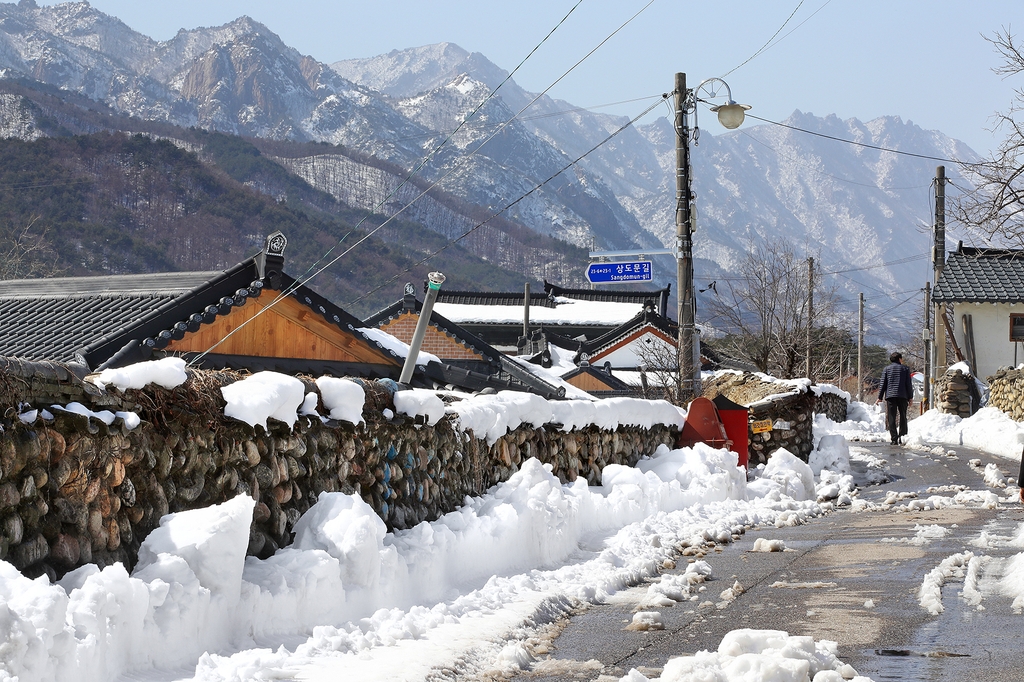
75,490
795,410
955,395
792,427
1006,392
833,406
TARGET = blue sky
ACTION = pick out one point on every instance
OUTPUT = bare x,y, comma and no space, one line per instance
924,61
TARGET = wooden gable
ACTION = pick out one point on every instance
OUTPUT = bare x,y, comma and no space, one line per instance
289,329
435,340
590,382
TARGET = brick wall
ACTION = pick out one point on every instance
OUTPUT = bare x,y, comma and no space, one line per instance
435,341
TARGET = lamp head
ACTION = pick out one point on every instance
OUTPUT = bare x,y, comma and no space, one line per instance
730,114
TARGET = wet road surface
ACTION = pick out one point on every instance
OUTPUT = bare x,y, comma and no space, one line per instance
838,580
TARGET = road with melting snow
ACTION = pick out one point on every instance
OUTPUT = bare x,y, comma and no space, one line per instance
852,577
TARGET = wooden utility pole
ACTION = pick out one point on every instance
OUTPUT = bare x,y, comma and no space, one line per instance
860,347
938,260
686,388
927,336
810,315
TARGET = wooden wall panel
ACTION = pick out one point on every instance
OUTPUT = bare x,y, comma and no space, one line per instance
287,330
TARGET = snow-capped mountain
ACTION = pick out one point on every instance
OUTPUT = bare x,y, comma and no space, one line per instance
849,206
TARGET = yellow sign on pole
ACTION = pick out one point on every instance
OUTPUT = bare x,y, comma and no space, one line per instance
761,425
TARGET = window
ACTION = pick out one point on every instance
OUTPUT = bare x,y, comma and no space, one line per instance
1017,327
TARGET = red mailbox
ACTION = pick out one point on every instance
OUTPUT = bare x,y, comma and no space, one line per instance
703,426
734,417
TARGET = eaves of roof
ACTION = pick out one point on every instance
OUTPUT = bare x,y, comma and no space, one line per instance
981,276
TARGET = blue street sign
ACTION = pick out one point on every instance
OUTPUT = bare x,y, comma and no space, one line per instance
624,271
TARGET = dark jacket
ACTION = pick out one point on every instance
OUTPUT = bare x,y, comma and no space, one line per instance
896,382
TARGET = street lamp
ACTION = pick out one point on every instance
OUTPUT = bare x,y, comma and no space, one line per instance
730,115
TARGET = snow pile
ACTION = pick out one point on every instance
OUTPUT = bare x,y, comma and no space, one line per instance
420,402
930,592
492,416
131,419
785,474
347,588
923,535
757,656
396,346
342,398
832,453
987,429
766,545
262,396
166,372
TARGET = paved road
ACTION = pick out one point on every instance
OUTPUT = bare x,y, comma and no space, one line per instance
832,567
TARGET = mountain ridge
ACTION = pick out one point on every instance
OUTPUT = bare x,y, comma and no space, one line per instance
849,206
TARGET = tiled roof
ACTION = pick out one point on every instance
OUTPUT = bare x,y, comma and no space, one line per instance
505,373
51,319
981,276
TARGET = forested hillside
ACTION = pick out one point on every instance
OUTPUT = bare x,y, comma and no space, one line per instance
115,203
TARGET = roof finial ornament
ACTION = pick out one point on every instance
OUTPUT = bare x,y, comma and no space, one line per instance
273,249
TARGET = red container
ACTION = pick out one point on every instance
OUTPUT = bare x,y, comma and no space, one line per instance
735,418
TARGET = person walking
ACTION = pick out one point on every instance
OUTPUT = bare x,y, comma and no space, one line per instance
896,390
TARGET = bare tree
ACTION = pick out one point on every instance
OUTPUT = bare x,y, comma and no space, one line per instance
996,204
24,253
765,312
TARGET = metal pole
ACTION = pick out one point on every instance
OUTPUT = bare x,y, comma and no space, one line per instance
435,280
860,348
685,389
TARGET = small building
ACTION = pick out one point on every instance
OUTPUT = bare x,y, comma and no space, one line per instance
581,314
466,359
253,316
985,288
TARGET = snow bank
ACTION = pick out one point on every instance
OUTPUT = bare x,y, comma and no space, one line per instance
263,395
343,399
346,586
987,429
166,372
759,656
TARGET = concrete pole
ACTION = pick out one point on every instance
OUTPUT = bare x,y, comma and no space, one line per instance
860,347
938,260
927,336
686,390
434,282
810,315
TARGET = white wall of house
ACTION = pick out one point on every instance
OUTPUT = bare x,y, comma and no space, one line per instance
991,322
648,346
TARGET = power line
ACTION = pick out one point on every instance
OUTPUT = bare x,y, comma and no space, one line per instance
767,44
860,144
821,172
512,203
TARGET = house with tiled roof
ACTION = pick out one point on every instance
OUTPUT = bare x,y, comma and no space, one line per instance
581,314
253,316
985,288
464,356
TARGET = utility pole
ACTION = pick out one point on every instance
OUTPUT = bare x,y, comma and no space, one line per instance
860,347
927,336
686,388
938,260
810,314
